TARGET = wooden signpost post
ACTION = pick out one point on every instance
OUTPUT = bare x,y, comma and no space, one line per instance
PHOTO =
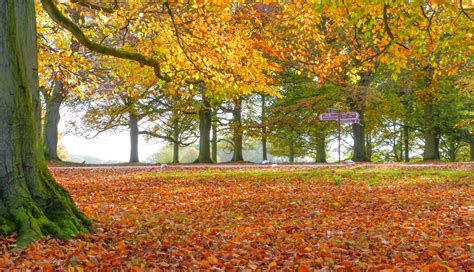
340,117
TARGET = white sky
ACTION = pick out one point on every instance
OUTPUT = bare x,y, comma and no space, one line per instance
114,146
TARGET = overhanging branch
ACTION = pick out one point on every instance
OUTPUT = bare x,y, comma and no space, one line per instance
57,16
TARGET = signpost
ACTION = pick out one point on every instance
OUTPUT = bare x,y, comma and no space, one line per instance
341,117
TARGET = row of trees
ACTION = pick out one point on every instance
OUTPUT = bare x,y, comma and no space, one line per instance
162,63
402,67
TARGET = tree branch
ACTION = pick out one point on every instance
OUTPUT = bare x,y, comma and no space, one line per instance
463,11
96,6
50,7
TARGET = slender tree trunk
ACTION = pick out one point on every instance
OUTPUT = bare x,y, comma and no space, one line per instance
133,124
214,137
400,145
175,141
471,148
431,150
452,152
205,124
31,202
264,130
406,140
320,147
395,144
50,131
368,145
237,130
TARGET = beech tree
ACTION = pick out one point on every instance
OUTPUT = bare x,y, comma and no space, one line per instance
31,202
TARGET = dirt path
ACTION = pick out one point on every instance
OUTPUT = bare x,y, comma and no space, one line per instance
283,165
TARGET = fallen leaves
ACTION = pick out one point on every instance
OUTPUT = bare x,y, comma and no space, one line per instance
263,219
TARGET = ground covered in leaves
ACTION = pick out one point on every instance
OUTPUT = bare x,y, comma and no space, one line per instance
332,219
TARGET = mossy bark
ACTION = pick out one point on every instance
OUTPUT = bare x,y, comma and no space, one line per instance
31,202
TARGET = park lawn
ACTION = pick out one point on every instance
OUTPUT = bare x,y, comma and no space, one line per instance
349,218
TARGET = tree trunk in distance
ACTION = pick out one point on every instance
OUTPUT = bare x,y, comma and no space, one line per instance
431,152
292,151
471,147
31,202
320,147
358,130
214,137
205,124
264,130
406,140
51,122
237,130
133,124
175,141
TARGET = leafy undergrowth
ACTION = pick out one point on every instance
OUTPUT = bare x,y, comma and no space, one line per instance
344,219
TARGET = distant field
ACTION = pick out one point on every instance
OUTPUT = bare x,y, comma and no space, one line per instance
347,218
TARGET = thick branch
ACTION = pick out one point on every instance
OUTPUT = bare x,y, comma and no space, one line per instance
155,135
463,11
96,6
53,11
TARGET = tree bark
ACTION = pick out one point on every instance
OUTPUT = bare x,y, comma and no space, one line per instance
320,147
431,150
264,130
471,147
291,156
53,102
406,141
358,130
133,125
358,104
31,202
175,141
237,130
205,124
214,137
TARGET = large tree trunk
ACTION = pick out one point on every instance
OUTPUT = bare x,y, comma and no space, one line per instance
237,130
53,102
205,124
133,125
291,156
320,147
431,150
358,130
31,202
264,130
357,103
406,141
175,141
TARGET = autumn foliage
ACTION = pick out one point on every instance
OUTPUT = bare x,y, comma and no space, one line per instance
346,219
